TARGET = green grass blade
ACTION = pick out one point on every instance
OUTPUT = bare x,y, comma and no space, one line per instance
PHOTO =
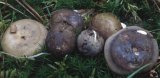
137,71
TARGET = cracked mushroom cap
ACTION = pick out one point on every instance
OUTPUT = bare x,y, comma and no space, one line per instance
90,43
67,16
24,38
61,40
129,49
106,24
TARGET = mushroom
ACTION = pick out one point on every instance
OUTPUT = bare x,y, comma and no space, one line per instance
67,16
90,43
61,39
130,49
24,38
106,24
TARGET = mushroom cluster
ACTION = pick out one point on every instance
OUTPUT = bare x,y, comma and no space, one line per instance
125,49
91,41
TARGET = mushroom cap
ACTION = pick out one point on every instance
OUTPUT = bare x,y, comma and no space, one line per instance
24,38
67,16
61,39
106,24
130,49
90,43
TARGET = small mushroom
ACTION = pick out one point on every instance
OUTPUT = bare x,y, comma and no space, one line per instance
106,24
129,49
67,16
24,38
90,43
61,39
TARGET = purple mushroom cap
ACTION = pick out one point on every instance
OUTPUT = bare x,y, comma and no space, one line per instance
130,49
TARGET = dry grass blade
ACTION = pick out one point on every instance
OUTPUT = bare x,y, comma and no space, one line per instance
33,12
156,5
24,7
85,12
4,3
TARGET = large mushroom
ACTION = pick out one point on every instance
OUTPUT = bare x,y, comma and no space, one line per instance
106,24
90,43
130,49
61,39
24,38
67,16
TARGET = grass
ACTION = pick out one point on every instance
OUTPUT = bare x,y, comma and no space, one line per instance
133,12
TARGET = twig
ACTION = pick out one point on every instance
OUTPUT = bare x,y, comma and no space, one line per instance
5,2
26,6
156,5
32,10
13,8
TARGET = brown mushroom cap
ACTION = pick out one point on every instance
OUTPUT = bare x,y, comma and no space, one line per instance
130,49
24,38
61,39
67,16
106,24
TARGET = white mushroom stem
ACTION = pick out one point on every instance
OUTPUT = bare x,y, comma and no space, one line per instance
95,35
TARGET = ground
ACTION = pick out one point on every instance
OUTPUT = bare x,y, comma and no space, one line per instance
144,13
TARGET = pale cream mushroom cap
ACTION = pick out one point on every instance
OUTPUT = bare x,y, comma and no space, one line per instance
24,38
